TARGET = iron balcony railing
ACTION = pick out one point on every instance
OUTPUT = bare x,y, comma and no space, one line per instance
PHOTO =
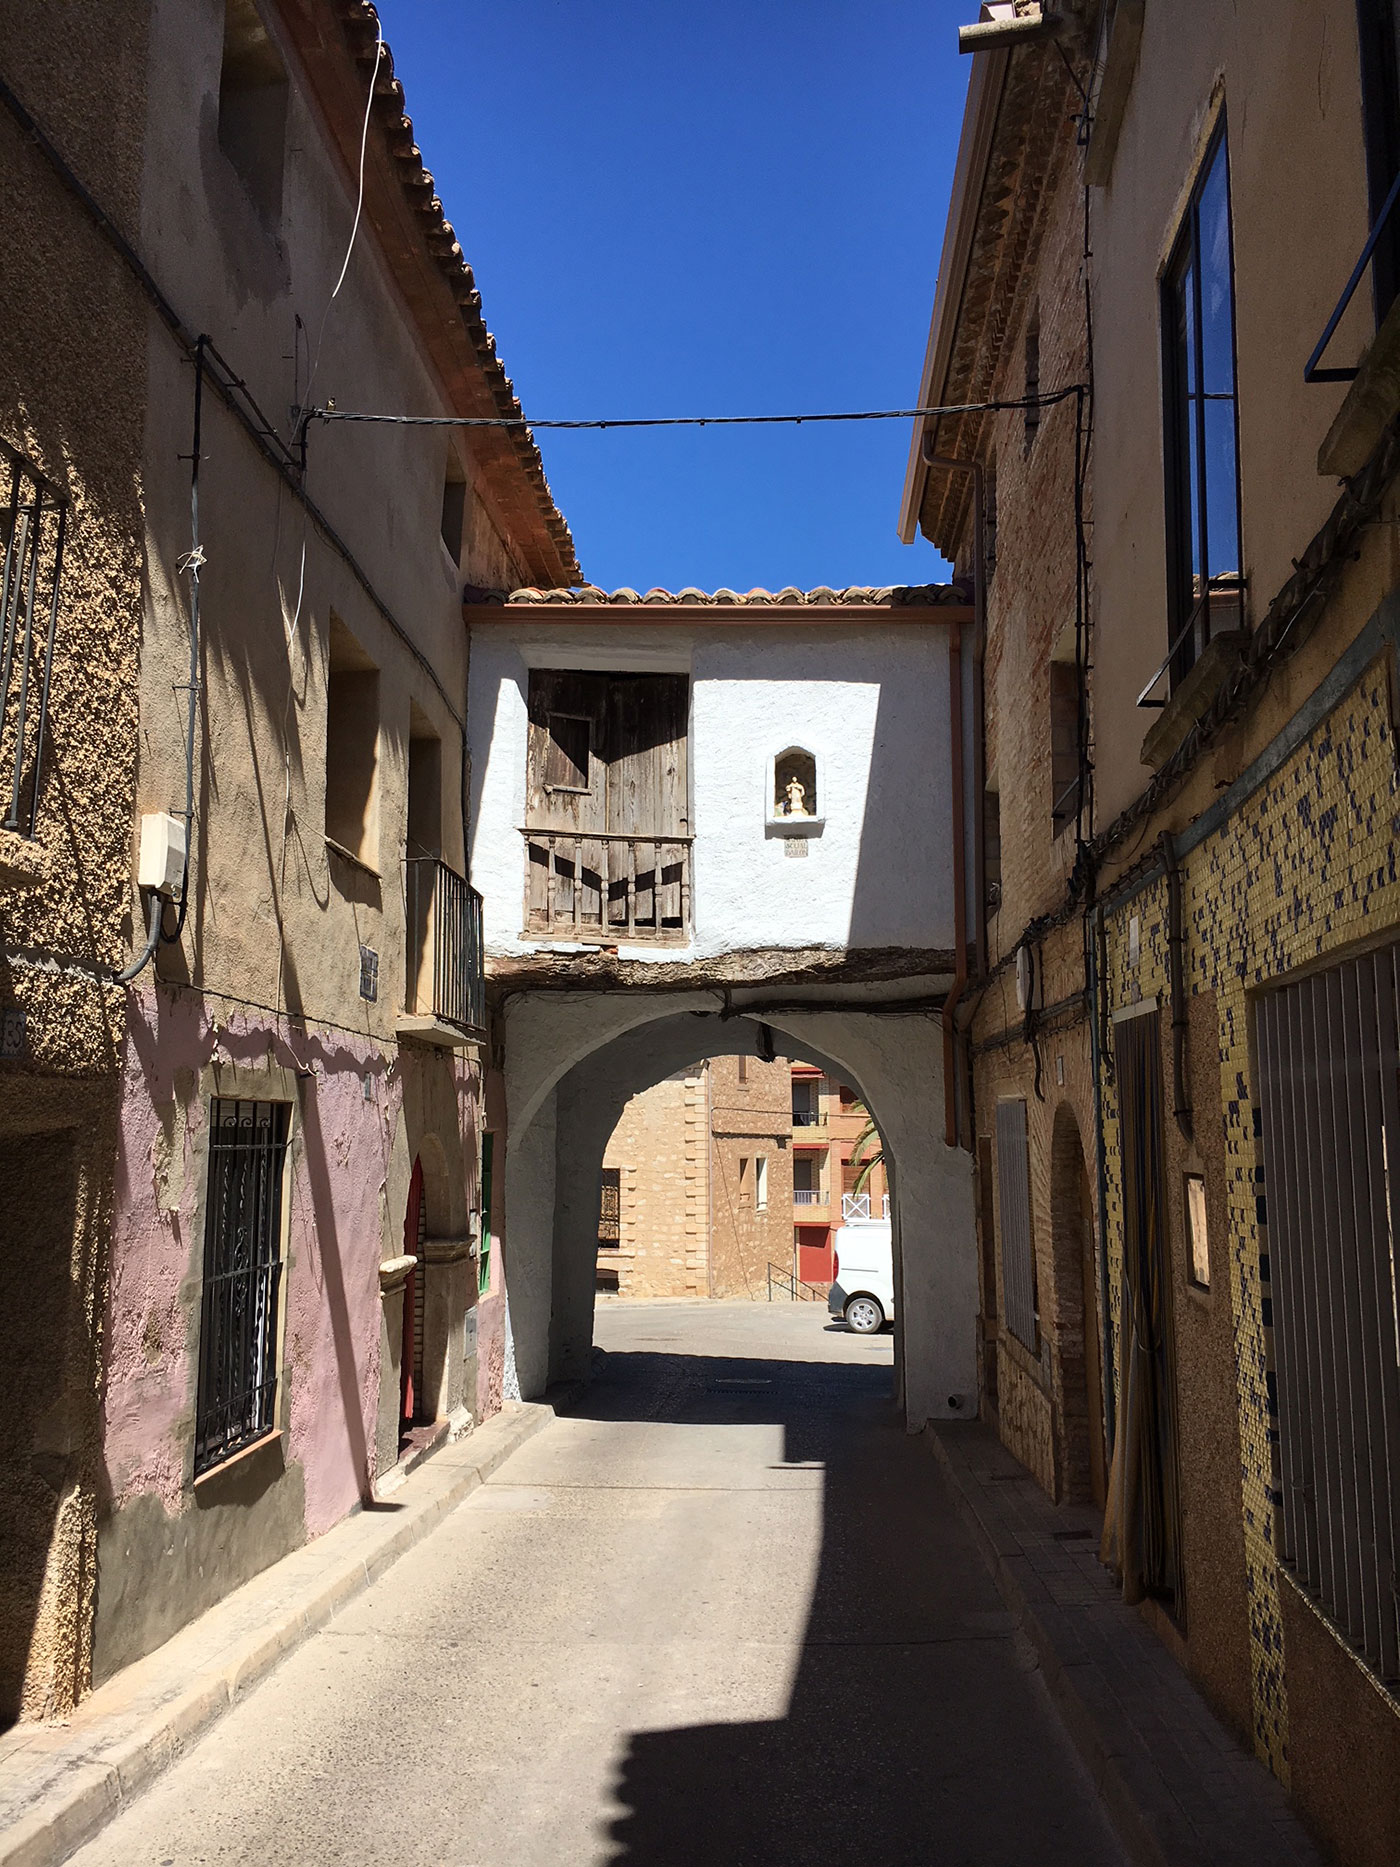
607,885
808,1196
795,1288
808,1118
33,520
856,1208
1311,370
446,956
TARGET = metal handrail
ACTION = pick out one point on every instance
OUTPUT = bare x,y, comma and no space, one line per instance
1311,373
797,1289
808,1196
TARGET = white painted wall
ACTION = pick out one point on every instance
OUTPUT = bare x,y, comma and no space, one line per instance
869,701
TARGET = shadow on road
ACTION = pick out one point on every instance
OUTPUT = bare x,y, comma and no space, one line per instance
914,1733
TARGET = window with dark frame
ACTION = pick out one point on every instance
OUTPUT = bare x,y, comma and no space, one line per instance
242,1278
1205,583
610,1208
1378,35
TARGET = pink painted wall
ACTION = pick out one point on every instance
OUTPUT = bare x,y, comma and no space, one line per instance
340,1153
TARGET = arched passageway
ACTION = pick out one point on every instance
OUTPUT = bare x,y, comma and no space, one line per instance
574,1061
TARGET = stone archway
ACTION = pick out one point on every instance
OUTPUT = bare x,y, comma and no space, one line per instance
1080,1452
566,1094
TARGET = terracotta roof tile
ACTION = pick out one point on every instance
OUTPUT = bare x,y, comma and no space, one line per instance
888,596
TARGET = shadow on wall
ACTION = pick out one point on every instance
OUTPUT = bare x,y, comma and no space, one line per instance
47,1431
912,1734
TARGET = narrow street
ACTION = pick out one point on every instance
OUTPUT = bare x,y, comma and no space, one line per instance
723,1613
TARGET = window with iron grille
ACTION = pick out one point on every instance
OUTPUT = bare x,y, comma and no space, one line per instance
610,1208
242,1277
33,518
1205,586
1329,1103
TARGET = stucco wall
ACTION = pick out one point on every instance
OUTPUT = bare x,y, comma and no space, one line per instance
871,703
72,381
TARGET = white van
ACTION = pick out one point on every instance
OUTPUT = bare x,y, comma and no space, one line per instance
862,1290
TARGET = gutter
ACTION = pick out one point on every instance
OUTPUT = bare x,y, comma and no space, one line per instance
984,93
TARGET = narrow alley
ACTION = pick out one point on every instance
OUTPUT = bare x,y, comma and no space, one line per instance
722,1612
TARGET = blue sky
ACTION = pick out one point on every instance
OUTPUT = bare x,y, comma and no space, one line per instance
682,209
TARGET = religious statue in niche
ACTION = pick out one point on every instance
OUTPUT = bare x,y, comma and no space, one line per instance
795,784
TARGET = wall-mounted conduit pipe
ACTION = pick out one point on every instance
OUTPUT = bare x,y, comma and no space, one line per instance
1176,975
979,632
191,562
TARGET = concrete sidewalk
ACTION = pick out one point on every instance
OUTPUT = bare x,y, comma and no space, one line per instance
1179,1788
59,1784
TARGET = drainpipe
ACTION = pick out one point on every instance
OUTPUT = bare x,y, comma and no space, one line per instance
1176,943
955,711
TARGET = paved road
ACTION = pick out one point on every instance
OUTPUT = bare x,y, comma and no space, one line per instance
721,1616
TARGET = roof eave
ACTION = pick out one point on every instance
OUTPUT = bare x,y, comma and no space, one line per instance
984,90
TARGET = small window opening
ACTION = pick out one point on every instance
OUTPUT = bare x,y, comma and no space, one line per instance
1032,377
352,748
1196,1237
566,765
760,1184
743,1069
743,1179
795,784
454,509
424,787
610,1208
253,107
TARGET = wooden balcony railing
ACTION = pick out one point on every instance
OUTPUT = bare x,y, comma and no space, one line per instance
446,958
607,885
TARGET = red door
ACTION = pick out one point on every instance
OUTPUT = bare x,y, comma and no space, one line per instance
814,1254
410,1367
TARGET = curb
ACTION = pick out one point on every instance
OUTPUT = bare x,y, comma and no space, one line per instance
59,1785
1152,1825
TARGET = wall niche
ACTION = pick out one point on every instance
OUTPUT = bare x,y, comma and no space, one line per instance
794,796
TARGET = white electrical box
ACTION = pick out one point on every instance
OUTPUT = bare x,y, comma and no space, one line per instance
161,863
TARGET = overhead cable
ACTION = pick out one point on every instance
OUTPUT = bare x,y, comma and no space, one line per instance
331,413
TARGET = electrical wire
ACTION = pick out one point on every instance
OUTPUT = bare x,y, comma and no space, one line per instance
331,413
359,210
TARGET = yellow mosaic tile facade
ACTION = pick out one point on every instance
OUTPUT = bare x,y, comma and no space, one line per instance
1305,868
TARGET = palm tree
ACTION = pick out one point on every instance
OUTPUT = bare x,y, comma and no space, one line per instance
868,1152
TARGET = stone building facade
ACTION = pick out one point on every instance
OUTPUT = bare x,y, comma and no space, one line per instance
1185,995
72,396
245,1082
697,1184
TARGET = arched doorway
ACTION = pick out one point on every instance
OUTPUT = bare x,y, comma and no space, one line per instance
1083,1477
415,1235
572,1061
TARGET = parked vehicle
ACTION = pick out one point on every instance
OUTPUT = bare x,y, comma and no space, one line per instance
862,1291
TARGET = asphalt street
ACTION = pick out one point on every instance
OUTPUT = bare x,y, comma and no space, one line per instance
723,1612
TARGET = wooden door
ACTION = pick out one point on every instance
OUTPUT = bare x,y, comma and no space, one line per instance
565,799
644,750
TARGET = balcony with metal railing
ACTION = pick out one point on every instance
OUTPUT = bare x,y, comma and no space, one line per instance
607,886
808,1196
445,999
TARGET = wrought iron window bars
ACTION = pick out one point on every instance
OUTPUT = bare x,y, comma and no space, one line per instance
33,524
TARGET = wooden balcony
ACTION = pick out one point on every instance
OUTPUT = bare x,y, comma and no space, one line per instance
607,887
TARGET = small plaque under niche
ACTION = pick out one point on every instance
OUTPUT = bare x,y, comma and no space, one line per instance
795,846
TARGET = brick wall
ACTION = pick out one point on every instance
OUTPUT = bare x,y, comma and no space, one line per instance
661,1151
